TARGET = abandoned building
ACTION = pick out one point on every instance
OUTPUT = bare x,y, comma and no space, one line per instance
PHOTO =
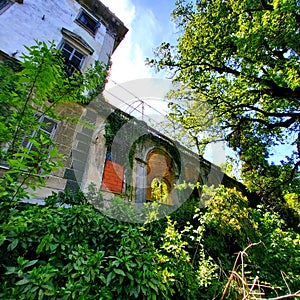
132,159
85,31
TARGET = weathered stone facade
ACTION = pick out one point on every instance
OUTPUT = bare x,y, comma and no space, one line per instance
86,31
146,155
136,160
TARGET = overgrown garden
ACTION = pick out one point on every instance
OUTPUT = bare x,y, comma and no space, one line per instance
239,60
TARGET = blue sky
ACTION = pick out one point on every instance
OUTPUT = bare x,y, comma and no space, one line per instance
149,24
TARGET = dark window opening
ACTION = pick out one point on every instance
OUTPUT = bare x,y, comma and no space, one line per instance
73,58
108,154
88,22
4,4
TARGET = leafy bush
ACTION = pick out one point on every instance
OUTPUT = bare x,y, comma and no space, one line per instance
76,252
59,252
231,225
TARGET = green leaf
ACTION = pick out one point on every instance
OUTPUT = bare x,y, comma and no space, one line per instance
102,278
22,281
41,245
53,246
128,275
41,294
153,286
110,276
30,263
12,245
119,271
10,270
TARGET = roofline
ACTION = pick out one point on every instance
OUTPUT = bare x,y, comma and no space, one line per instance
99,10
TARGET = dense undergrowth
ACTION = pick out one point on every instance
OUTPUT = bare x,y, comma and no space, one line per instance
76,252
67,249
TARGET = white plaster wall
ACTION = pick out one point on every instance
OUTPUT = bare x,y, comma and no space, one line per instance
107,48
22,24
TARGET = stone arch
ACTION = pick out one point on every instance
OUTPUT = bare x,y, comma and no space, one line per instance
161,175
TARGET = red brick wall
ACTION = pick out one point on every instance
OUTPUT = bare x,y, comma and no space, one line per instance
112,177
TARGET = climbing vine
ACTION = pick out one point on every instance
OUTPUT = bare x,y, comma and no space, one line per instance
115,121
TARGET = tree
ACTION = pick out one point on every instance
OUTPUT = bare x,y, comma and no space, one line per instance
242,58
196,122
29,91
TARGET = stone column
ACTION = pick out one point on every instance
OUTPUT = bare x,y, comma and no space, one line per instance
141,182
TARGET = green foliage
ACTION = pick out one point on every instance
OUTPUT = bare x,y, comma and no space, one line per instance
238,65
123,209
29,93
115,121
292,200
231,225
76,252
159,190
194,119
65,198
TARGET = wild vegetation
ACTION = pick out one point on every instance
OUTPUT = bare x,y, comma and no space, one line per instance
222,246
229,250
238,65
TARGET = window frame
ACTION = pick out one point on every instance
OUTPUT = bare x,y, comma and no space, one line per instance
41,120
89,19
72,55
5,5
27,144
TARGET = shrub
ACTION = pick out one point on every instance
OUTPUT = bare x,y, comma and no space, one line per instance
76,252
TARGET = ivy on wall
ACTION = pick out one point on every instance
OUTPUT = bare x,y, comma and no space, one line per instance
164,144
115,121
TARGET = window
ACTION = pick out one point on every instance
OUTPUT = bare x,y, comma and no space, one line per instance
47,128
4,4
88,22
160,177
38,140
74,58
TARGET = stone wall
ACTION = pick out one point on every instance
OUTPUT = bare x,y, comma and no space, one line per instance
148,155
86,160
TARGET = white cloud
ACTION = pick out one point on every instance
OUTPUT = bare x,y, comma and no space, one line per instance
123,9
128,60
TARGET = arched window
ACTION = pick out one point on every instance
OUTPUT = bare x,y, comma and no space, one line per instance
160,177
